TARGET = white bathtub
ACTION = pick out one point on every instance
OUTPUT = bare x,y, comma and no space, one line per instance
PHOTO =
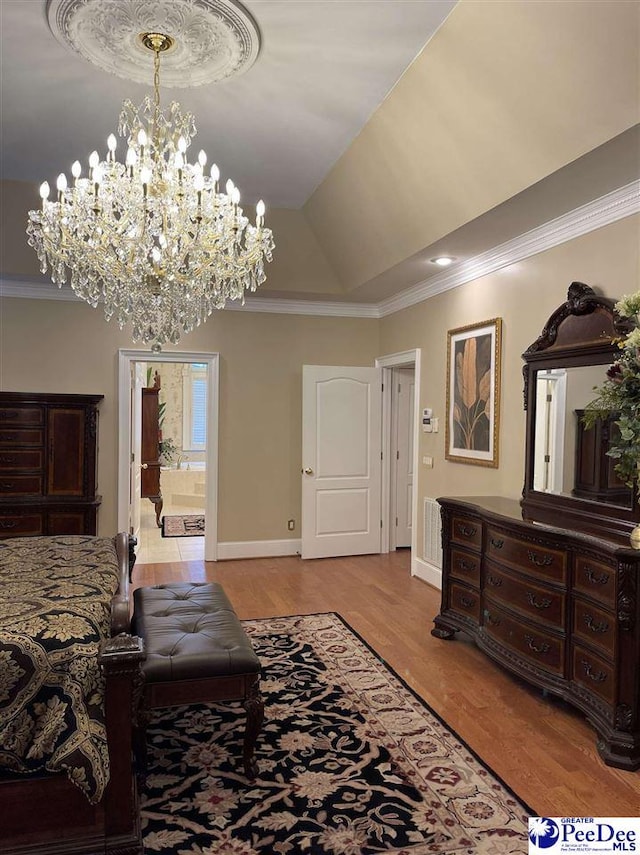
182,487
187,465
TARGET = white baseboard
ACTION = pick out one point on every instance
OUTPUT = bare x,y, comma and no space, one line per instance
427,572
258,549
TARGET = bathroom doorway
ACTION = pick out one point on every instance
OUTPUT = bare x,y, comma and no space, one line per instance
174,519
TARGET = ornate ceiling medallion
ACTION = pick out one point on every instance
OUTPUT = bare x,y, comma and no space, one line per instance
214,39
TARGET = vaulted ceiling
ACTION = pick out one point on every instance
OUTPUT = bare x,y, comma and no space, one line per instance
383,132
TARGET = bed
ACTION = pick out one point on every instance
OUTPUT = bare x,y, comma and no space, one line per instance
69,682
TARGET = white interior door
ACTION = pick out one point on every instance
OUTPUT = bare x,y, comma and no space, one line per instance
341,466
550,448
402,455
138,381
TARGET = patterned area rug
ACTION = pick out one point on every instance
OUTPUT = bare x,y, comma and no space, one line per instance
189,525
351,761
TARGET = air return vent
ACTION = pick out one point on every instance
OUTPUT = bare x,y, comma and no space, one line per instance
432,548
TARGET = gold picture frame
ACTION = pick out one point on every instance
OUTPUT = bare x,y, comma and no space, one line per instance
473,393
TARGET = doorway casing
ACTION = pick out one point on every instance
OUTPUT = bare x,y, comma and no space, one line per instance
403,359
126,359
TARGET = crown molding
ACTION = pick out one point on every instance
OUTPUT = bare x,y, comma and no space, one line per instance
32,289
614,206
305,307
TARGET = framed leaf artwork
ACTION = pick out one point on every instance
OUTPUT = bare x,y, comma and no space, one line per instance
473,393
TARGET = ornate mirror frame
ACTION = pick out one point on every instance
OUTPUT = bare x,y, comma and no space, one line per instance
579,333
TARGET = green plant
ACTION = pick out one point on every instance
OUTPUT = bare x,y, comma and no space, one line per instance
168,449
620,395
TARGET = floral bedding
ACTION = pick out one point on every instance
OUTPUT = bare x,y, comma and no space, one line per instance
55,604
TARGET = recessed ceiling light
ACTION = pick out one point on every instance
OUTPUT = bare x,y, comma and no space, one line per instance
443,260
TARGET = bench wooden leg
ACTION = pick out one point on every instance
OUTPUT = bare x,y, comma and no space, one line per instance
254,706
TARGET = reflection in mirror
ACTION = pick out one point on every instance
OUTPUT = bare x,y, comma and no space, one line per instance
568,459
569,481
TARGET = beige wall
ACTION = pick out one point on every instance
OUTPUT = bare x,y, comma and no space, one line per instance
524,295
55,346
68,347
504,94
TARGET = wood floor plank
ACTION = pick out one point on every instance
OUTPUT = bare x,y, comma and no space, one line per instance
541,747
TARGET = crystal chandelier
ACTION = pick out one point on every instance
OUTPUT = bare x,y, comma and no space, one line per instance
152,238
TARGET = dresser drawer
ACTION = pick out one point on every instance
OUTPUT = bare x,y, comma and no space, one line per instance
17,525
466,531
465,566
596,579
593,673
13,416
530,598
534,643
20,459
595,626
526,556
23,437
465,601
20,485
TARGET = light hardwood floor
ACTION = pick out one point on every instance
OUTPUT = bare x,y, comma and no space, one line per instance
540,747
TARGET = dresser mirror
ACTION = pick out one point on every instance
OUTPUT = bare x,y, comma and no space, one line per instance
570,482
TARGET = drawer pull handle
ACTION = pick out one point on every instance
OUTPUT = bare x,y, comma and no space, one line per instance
495,581
8,523
597,677
8,459
468,566
596,626
544,561
467,602
8,437
9,414
7,485
596,578
541,647
538,603
497,544
491,620
466,530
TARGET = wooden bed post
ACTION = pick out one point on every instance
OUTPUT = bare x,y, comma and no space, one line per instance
120,660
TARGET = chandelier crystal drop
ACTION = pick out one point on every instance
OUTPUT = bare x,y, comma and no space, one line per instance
152,238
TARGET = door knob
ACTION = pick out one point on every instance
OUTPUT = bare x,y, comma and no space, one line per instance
308,471
144,466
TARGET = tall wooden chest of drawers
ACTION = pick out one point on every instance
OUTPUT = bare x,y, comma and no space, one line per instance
48,456
558,608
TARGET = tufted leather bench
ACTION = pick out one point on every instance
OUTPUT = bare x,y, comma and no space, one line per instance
197,652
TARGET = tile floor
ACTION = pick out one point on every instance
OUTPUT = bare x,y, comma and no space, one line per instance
153,548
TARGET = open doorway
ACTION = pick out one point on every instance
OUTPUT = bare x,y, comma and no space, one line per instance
401,458
167,480
400,446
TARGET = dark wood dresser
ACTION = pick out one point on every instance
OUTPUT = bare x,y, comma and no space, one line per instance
558,608
48,456
150,449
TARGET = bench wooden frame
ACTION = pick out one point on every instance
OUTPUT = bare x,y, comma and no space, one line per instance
161,691
231,687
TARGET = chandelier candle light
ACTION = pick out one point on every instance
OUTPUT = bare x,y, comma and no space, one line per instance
152,238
